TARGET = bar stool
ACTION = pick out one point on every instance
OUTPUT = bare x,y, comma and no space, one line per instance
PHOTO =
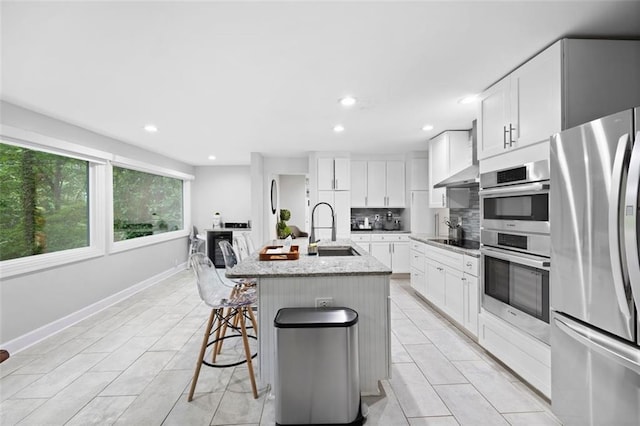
228,305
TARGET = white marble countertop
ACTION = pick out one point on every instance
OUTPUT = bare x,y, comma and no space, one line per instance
429,239
307,266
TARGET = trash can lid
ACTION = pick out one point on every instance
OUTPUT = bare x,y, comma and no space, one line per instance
315,317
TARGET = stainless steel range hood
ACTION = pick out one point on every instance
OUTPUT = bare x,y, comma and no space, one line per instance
469,176
463,179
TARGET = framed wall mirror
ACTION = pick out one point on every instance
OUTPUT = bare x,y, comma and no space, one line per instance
274,196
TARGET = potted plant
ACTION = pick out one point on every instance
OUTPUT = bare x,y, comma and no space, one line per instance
283,230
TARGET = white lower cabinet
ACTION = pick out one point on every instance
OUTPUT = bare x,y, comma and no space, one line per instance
363,241
454,294
528,357
400,257
417,265
435,282
450,282
471,303
382,252
390,249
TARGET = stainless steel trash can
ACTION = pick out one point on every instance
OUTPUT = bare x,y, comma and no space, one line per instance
317,374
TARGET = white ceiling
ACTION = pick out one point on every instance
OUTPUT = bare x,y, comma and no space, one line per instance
230,78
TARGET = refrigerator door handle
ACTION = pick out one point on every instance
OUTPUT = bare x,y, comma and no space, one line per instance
617,265
623,354
631,220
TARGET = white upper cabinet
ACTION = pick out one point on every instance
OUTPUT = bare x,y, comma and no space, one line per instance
419,174
359,183
395,184
438,165
535,98
449,153
494,116
334,174
340,201
523,108
570,83
341,171
377,183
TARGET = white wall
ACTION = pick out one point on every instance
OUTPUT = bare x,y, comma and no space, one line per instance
224,189
293,198
263,171
34,300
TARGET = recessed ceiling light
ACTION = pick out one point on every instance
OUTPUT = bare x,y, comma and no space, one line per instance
468,99
348,101
427,127
338,128
212,157
150,128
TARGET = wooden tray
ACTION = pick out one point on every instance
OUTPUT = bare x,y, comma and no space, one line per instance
292,255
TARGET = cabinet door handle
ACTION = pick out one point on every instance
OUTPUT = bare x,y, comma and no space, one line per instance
504,136
442,200
469,264
366,200
511,130
336,183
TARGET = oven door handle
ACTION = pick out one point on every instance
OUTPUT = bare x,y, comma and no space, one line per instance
529,188
521,259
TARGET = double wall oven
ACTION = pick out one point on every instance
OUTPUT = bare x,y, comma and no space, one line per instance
515,246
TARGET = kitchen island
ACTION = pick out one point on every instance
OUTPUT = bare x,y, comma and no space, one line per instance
359,282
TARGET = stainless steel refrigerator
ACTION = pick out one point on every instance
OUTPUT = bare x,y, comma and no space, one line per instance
595,272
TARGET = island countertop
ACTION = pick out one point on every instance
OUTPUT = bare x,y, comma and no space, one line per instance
311,266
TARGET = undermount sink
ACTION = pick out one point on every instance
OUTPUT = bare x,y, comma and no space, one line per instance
337,251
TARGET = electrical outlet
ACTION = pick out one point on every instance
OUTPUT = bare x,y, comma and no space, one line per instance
324,302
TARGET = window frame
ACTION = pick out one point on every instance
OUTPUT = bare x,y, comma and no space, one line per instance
97,161
133,243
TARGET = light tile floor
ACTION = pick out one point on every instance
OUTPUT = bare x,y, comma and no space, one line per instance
132,364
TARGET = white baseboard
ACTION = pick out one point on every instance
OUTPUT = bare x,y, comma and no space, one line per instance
31,338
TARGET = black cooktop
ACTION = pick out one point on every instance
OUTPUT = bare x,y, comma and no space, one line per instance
466,244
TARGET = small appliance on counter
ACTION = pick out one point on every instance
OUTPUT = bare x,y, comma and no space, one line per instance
237,225
388,223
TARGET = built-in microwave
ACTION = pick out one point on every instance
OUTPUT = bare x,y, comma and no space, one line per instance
516,199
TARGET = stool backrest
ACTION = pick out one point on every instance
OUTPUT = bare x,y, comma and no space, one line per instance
240,245
250,246
212,289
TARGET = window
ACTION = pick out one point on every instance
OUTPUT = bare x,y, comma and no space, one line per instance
145,204
44,206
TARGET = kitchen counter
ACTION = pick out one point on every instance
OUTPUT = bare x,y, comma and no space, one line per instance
429,239
357,282
311,266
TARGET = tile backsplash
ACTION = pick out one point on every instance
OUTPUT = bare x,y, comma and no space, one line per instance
470,216
358,214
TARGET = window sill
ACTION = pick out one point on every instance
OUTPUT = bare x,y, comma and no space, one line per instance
134,243
30,264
